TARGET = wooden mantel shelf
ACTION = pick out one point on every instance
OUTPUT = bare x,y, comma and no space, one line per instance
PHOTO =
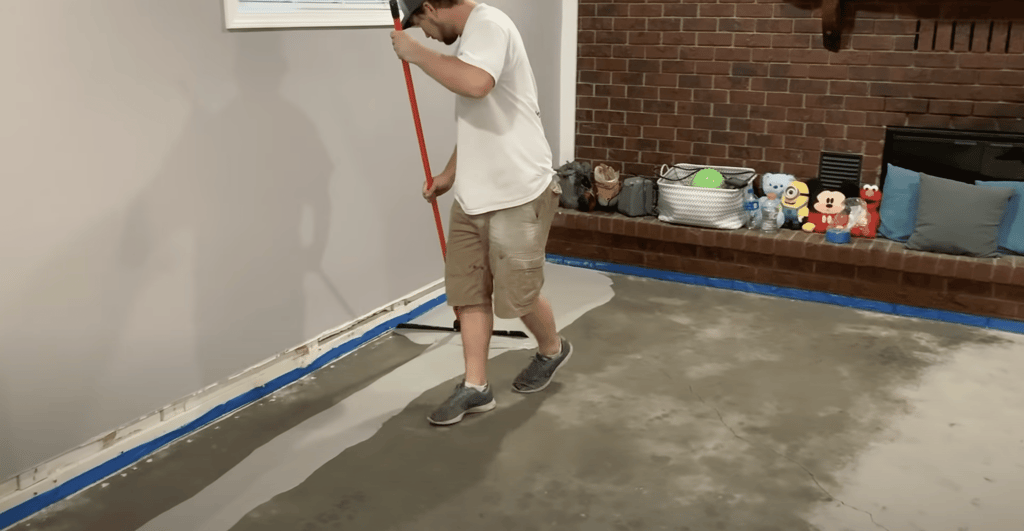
832,23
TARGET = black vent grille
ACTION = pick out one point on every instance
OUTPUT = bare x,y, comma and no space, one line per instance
979,36
838,168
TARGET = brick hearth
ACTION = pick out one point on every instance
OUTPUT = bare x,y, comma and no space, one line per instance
875,269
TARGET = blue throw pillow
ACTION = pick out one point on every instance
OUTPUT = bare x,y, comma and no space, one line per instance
1011,231
898,211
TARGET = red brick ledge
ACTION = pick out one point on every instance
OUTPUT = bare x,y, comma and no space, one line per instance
876,269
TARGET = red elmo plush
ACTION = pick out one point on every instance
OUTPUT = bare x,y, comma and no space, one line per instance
873,197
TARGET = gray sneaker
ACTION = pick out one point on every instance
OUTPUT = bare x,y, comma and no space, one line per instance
463,400
541,370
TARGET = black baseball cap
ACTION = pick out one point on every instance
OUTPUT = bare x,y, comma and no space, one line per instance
408,7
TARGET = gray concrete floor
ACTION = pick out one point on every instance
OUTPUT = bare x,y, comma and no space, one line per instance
684,408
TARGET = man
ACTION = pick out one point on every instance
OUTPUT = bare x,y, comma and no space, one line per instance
505,191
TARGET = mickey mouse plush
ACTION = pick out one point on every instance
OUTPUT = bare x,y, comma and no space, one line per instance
825,204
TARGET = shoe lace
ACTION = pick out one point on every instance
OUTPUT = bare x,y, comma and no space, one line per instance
537,365
461,389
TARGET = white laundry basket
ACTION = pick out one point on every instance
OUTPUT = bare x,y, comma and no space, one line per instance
681,203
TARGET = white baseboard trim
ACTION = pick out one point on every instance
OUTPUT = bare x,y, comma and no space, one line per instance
106,455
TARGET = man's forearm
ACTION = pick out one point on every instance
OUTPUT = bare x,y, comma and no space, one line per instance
456,75
449,170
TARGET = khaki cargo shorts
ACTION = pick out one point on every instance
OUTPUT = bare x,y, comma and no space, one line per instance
498,257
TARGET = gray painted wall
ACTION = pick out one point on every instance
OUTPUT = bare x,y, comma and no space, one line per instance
181,202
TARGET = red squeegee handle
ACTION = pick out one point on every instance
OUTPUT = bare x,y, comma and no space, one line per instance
419,133
423,145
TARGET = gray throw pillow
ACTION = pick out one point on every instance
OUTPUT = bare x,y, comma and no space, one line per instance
958,218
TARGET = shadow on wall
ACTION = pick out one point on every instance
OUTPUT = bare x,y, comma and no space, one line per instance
249,186
233,223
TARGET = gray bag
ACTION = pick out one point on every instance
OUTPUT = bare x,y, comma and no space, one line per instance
576,179
638,197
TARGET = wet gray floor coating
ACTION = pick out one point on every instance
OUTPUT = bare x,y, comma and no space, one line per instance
683,408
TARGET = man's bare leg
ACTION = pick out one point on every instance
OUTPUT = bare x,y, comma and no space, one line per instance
553,352
476,323
541,322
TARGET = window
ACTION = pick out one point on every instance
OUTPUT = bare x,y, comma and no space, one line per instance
246,14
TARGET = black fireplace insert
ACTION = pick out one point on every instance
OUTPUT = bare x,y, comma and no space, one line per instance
955,154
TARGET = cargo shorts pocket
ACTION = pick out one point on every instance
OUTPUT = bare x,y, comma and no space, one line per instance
525,279
546,204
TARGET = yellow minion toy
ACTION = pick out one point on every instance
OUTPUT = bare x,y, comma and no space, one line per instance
795,204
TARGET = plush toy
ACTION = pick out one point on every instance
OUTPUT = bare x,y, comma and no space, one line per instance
871,195
795,205
825,204
773,185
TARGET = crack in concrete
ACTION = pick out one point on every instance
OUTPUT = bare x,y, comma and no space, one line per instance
786,457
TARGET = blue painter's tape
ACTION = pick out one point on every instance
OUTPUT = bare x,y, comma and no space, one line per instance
798,294
126,459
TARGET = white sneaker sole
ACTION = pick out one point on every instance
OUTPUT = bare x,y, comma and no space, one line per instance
478,409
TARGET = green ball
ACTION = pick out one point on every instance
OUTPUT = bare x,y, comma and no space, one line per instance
708,178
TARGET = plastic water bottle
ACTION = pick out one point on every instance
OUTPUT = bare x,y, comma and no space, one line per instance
751,206
769,216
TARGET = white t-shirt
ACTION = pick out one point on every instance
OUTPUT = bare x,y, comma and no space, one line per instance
503,158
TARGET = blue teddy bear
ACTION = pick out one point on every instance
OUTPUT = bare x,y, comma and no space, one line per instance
774,183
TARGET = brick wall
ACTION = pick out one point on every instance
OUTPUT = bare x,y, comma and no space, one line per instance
749,82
